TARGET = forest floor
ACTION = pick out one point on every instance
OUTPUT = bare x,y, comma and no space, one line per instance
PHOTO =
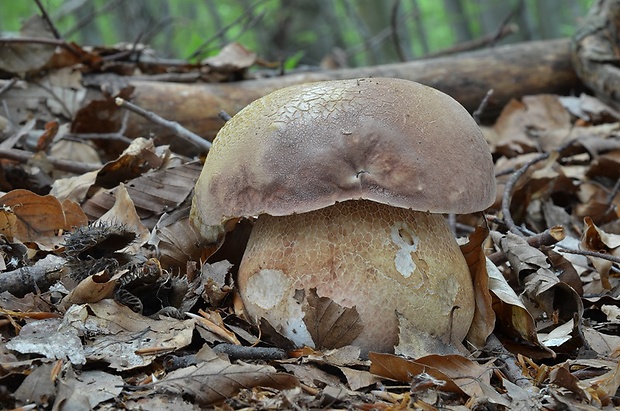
104,303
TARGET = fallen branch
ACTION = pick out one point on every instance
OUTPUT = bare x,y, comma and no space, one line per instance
60,164
170,125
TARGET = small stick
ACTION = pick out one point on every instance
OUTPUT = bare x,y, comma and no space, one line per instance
483,105
224,115
395,37
612,193
511,368
589,253
548,237
60,164
8,86
47,19
507,196
241,352
170,125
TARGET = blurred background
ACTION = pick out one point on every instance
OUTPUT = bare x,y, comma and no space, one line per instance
299,33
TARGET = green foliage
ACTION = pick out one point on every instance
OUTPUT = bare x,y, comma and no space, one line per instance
179,28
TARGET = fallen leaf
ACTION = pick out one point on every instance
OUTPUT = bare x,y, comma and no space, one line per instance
125,339
484,316
124,214
459,374
217,380
329,324
45,337
20,58
513,319
39,219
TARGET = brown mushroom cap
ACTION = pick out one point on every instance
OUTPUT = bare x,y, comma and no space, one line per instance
309,146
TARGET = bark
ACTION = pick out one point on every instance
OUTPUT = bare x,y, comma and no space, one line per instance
595,51
511,71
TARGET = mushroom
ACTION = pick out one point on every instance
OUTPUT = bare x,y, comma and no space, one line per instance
348,182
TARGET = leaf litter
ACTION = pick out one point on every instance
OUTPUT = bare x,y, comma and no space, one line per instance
109,300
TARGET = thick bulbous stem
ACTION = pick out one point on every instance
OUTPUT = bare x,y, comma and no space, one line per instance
374,257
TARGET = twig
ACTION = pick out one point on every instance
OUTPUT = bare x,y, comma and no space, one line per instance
589,253
395,35
610,197
47,19
511,368
548,237
117,135
483,105
60,164
241,352
507,196
224,115
487,40
170,125
9,85
247,13
41,40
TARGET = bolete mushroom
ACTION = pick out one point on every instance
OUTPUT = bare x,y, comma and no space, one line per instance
349,181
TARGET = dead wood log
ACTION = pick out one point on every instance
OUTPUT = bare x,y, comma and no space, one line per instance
511,71
596,53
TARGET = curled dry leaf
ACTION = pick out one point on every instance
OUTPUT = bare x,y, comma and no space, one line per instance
232,56
154,192
92,289
484,317
29,217
597,390
176,241
124,213
597,240
513,319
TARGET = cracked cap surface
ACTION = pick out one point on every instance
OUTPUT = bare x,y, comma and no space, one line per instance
309,146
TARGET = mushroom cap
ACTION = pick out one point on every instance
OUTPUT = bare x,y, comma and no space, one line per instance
306,147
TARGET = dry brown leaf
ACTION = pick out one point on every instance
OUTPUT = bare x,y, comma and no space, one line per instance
459,374
38,385
329,324
594,239
175,240
535,122
20,58
39,219
123,338
232,56
413,342
484,316
605,345
216,380
153,193
124,214
92,289
87,389
513,319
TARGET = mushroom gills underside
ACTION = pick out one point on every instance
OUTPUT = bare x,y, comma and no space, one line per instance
379,259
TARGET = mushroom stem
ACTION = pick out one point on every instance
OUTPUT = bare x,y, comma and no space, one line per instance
374,257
